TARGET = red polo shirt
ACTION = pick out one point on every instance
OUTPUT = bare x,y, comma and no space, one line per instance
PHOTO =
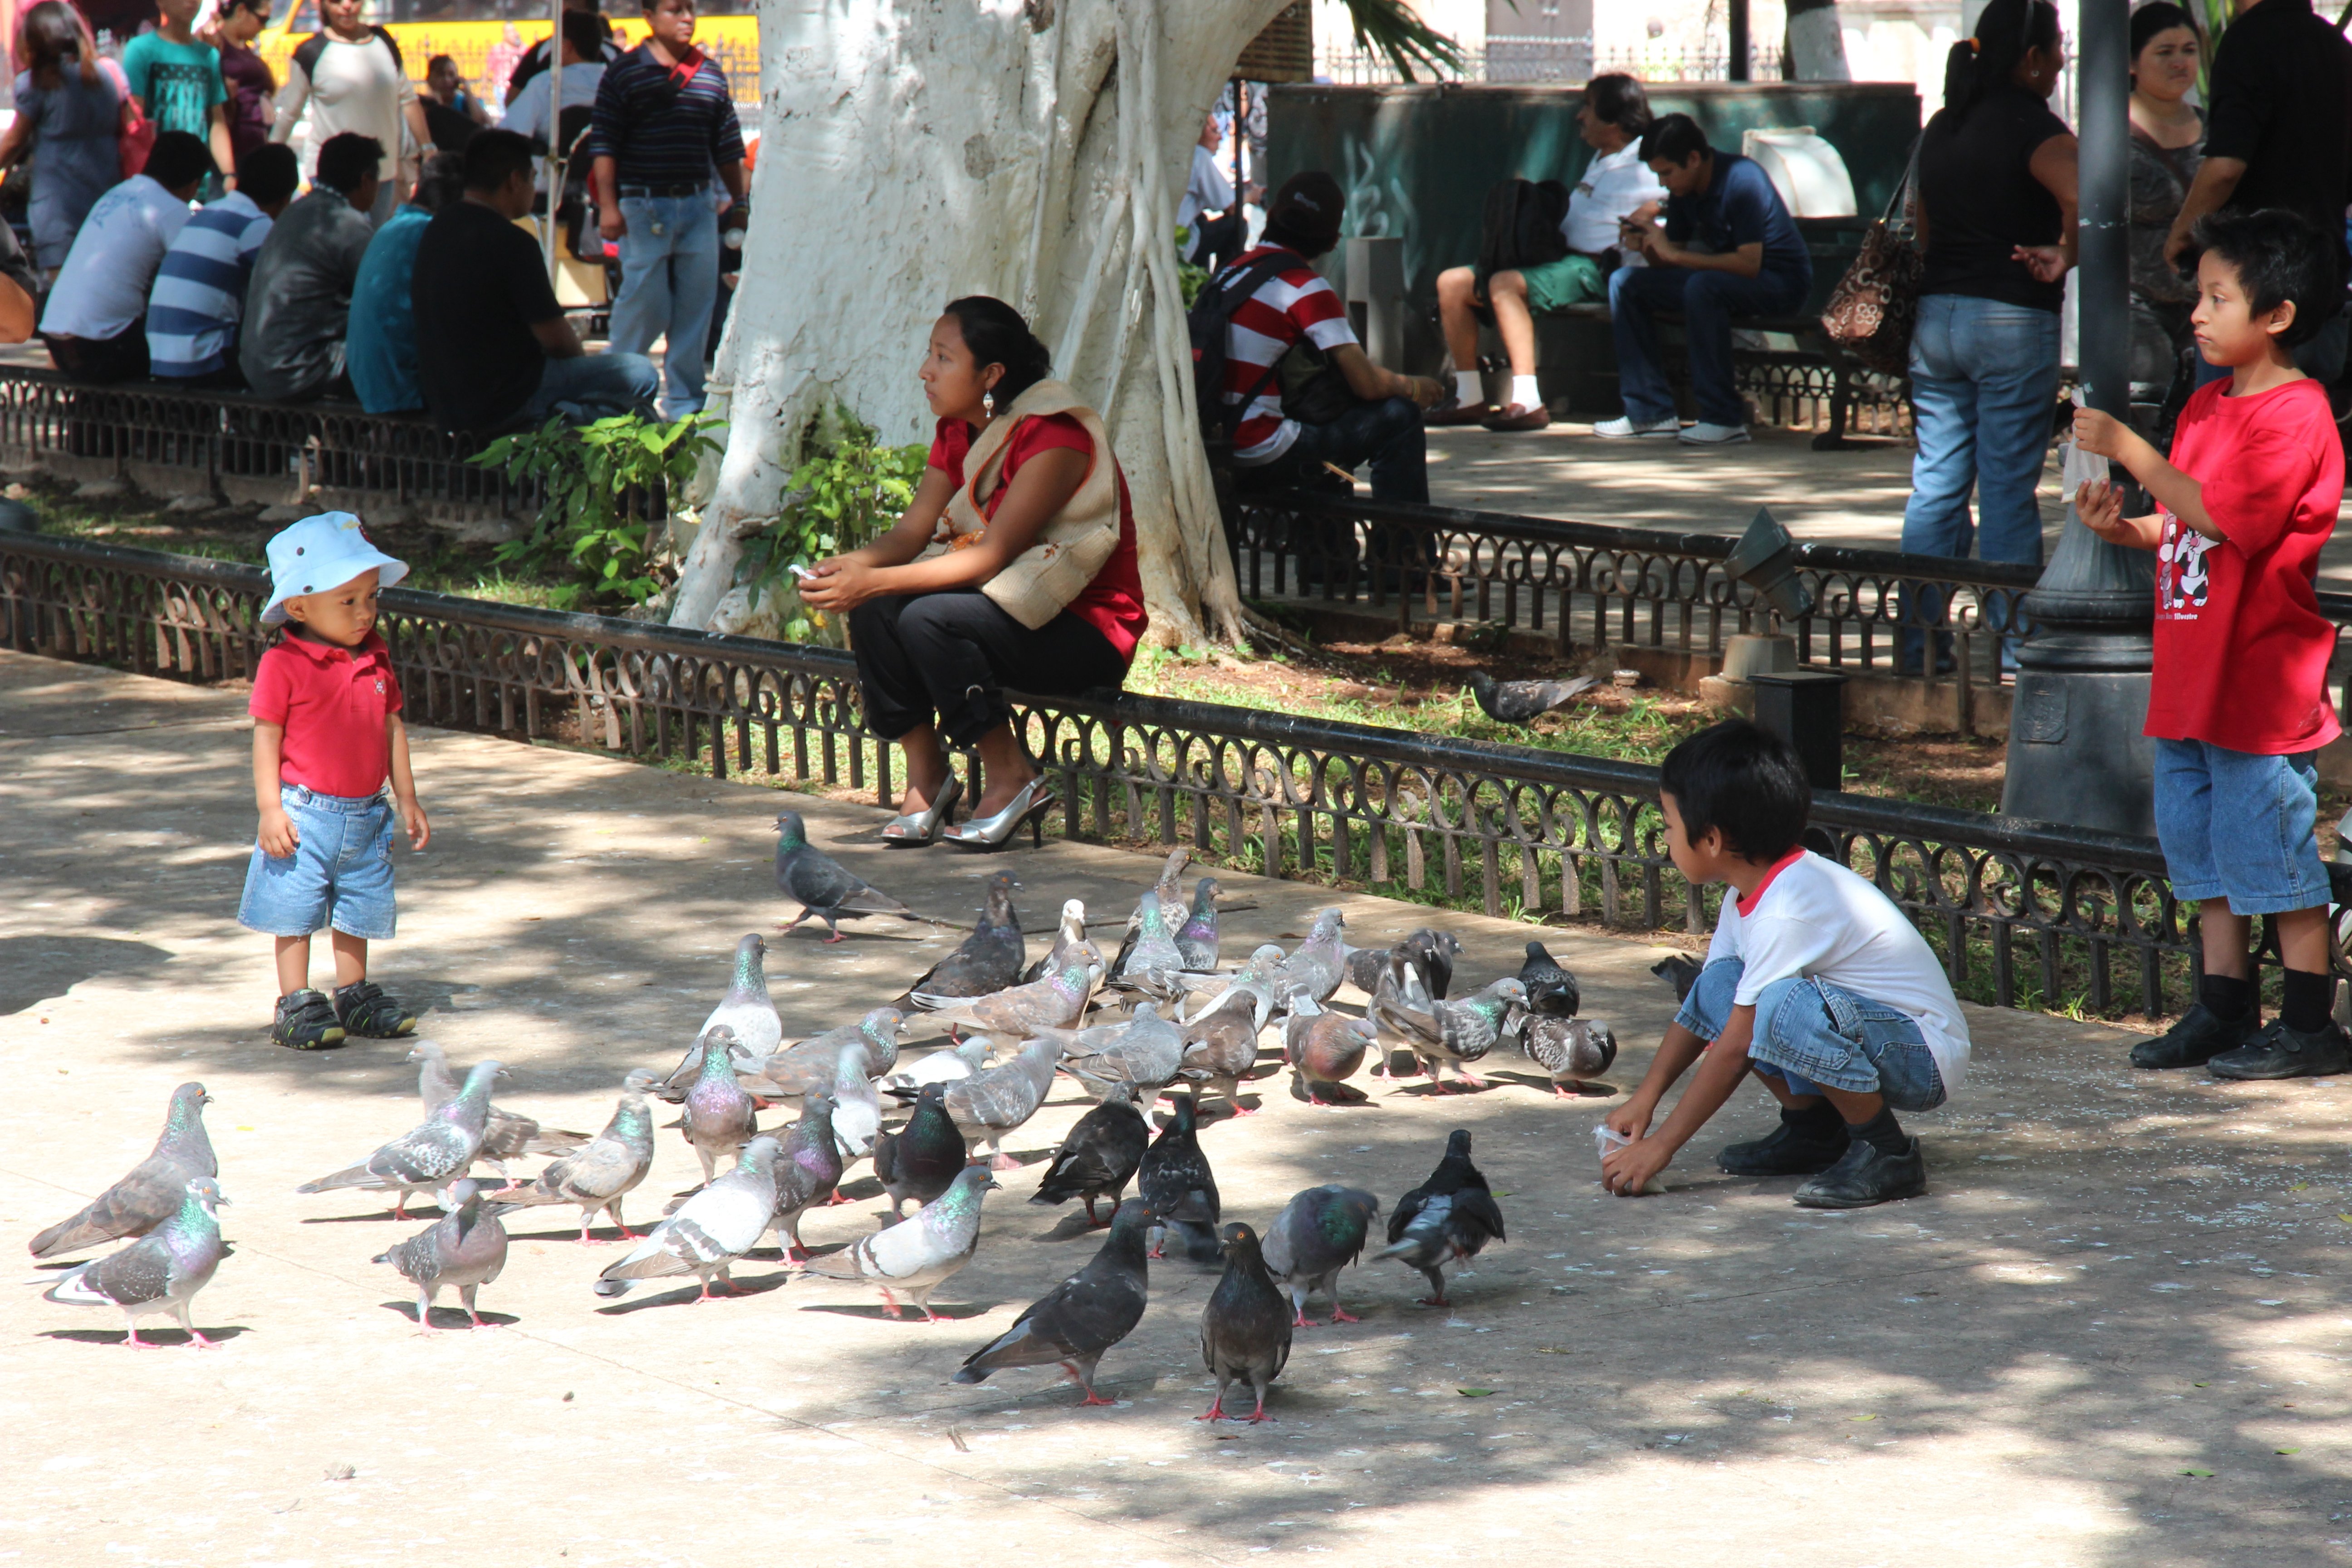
333,702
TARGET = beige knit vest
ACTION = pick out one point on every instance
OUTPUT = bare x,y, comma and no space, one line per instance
1038,584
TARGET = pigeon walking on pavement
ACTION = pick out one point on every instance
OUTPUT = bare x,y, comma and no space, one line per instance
719,1117
1098,1158
1428,951
1317,965
953,1065
988,960
1516,701
599,1175
1169,894
917,1255
922,1160
463,1249
821,885
1254,980
1075,1322
990,1104
1446,1034
505,1136
808,1172
1056,1002
1246,1327
158,1273
1142,1055
857,1110
1174,1178
1679,970
1196,939
1552,992
1221,1049
1151,960
746,1009
711,1230
1447,1218
1324,1050
1069,937
812,1063
1319,1232
155,1190
428,1156
1571,1050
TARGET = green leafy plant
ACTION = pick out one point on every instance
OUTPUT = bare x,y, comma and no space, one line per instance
1188,278
595,533
847,493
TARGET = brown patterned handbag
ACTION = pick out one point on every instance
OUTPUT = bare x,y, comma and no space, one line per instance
1871,311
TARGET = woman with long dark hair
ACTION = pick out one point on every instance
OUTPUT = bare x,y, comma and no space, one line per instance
2168,141
72,114
1996,215
1015,566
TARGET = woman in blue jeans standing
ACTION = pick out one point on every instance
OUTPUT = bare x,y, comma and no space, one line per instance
1995,217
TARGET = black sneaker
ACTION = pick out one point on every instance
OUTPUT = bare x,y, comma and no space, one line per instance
1786,1152
370,1014
305,1022
1866,1177
2196,1038
2280,1052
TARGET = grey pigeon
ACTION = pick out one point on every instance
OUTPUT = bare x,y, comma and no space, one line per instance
158,1273
428,1156
988,960
1552,992
857,1112
944,1067
599,1175
1174,1178
1142,1055
824,888
156,1190
505,1136
1516,701
1056,1002
992,1103
1448,1217
1316,966
808,1170
1075,1322
746,1009
465,1249
1171,894
713,1228
917,1255
1679,970
1246,1327
1067,937
1319,1232
812,1064
1428,950
1570,1049
1254,979
1099,1156
1324,1050
1151,961
1221,1047
719,1117
1446,1034
1196,939
918,1161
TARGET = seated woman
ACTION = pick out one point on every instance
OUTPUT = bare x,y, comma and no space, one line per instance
1016,566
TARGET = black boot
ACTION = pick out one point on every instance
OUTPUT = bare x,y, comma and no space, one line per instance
305,1022
2196,1038
367,1014
2282,1052
1866,1176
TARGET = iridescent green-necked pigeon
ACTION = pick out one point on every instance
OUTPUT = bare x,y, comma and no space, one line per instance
599,1175
916,1256
158,1273
711,1230
824,888
1075,1322
505,1136
464,1249
156,1190
1319,1232
428,1156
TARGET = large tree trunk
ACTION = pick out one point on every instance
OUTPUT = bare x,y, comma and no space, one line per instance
913,151
1816,48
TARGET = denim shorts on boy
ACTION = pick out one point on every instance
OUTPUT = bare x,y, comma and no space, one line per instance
2260,849
1815,1035
340,874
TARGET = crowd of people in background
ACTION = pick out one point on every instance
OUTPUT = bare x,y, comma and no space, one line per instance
349,233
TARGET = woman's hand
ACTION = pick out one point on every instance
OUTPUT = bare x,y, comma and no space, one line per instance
839,585
2047,263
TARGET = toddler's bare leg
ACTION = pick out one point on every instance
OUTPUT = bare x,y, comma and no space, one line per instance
350,958
293,965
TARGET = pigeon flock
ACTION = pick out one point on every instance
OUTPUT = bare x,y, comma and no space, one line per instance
1158,1020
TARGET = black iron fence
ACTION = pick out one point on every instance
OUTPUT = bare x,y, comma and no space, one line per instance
2023,913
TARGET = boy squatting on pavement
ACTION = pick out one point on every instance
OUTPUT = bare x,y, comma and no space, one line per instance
327,736
1815,984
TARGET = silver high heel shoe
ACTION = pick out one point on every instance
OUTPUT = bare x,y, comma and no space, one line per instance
915,828
1030,806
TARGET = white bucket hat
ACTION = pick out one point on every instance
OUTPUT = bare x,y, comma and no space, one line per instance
320,553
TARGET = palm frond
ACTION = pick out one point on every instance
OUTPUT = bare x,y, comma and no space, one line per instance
1394,29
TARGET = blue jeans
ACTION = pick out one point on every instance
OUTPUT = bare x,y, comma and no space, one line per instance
1708,301
1814,1035
593,386
1387,434
339,873
670,284
2259,850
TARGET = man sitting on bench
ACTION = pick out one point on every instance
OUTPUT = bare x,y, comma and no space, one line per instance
1729,249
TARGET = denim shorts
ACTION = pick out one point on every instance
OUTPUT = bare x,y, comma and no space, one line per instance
2260,852
340,874
1814,1035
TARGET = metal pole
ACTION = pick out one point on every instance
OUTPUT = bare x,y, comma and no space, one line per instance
2103,288
1735,13
554,132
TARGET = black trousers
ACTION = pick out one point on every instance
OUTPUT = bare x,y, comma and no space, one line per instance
103,361
947,657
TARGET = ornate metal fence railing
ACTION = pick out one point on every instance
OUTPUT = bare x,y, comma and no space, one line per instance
2022,913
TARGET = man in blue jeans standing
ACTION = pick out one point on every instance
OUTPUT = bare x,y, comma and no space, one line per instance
1729,249
663,121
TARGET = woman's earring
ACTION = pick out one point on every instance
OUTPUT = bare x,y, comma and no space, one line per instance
988,403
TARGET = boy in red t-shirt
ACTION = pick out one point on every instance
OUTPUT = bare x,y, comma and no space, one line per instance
2238,703
327,733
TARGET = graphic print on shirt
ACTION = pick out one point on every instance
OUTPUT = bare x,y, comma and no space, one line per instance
2182,576
179,96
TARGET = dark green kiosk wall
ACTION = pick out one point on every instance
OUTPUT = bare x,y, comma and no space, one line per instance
1416,162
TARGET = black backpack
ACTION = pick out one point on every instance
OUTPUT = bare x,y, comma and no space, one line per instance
1521,227
1212,312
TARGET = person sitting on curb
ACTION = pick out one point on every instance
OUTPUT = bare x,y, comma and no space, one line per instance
95,318
1728,249
1815,984
1616,185
297,305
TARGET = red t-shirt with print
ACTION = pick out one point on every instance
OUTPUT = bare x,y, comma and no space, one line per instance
332,702
1113,603
2241,649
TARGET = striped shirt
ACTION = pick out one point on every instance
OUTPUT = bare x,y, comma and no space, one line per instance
661,133
199,295
1291,305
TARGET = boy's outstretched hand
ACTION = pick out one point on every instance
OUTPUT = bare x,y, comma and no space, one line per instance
1629,1169
2100,505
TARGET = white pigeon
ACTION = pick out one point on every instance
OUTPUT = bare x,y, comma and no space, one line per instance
711,1229
857,1112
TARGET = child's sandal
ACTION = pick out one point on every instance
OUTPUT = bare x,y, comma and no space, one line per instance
367,1014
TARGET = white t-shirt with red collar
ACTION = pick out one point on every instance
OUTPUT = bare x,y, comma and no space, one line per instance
1813,918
